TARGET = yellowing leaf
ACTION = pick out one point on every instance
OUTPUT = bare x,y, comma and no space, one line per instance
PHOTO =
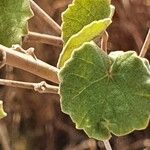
86,34
82,22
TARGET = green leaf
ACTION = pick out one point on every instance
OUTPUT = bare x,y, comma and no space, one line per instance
13,20
2,113
105,94
82,22
86,34
81,13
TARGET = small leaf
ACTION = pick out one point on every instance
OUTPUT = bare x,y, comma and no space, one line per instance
106,94
81,13
82,22
86,34
13,20
2,113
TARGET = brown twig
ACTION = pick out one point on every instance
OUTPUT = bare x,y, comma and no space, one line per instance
104,41
145,45
41,87
30,64
43,38
45,17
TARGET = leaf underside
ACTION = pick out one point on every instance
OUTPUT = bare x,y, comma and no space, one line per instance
82,22
13,20
105,94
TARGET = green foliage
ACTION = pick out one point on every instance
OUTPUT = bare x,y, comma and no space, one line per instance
81,13
105,94
13,20
86,34
83,21
2,113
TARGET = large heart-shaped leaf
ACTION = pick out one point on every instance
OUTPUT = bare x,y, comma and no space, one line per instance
13,20
105,94
83,21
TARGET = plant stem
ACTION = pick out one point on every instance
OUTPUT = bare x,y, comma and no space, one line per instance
43,38
107,145
41,87
104,41
145,45
28,63
2,58
45,17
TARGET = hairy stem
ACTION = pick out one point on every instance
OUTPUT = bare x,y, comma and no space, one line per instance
41,87
145,45
104,41
107,145
28,63
45,17
43,38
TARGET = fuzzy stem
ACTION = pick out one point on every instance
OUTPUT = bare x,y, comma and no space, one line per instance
28,63
45,17
104,41
43,38
107,145
145,45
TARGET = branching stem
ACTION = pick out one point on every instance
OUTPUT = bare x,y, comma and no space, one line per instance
43,38
145,45
41,87
28,63
45,17
107,145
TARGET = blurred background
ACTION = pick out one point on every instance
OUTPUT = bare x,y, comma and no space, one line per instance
35,121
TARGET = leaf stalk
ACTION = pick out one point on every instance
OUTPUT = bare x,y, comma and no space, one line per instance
104,41
107,145
145,45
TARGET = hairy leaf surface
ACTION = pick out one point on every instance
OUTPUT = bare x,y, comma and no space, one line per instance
86,34
83,16
81,13
13,20
105,94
